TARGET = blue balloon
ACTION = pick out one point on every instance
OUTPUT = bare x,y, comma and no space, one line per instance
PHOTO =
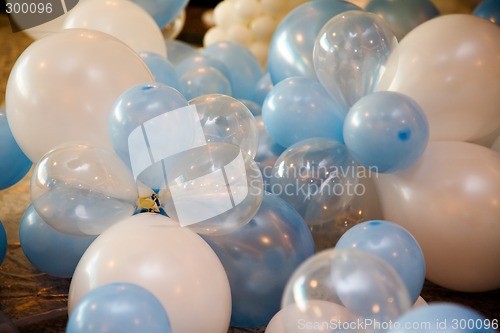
393,244
299,108
255,109
201,60
3,242
264,86
117,308
179,50
260,257
163,11
489,9
386,131
203,80
443,318
163,71
291,48
49,250
14,165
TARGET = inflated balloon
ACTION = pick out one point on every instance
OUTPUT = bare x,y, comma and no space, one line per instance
260,257
124,20
203,80
14,164
173,263
360,282
448,200
163,71
449,66
488,9
403,16
267,154
53,94
82,190
291,48
49,250
253,107
263,87
119,307
317,177
393,244
3,242
173,29
162,11
179,50
198,59
350,53
386,131
299,108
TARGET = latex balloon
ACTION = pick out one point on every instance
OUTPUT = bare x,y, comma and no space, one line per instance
291,48
82,190
14,164
299,108
163,71
386,131
202,60
264,86
173,263
162,11
488,9
350,54
49,250
3,242
431,67
393,244
420,302
260,257
179,50
448,202
119,307
253,107
203,80
64,79
124,20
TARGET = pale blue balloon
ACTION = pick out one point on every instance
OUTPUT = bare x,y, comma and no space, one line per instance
255,109
179,50
163,71
488,9
264,86
3,242
201,60
291,48
299,108
386,131
163,11
203,80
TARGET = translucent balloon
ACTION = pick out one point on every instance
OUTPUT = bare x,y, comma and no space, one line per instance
173,263
350,53
260,257
119,307
124,20
393,244
52,252
62,89
488,9
203,80
317,177
82,190
360,282
162,11
3,242
163,71
448,201
253,107
14,164
291,48
299,108
179,50
449,66
386,131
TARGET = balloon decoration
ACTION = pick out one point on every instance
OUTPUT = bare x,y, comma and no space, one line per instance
162,11
203,81
163,71
179,50
3,242
488,9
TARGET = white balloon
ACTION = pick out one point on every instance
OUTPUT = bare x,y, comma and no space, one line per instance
419,302
174,263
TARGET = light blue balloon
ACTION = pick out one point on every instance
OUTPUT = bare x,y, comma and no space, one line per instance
488,9
117,308
203,80
163,11
163,71
3,242
403,15
179,50
255,109
14,164
202,60
386,131
259,260
49,250
393,244
299,108
443,318
291,48
264,86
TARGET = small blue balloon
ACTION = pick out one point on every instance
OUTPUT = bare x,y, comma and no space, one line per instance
14,165
386,131
488,9
299,108
163,71
393,244
49,250
117,308
264,86
3,242
443,318
260,257
179,50
201,60
163,11
203,80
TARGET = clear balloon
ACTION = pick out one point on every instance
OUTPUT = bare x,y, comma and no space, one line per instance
449,66
393,244
203,80
163,71
52,252
299,108
62,88
488,9
14,164
82,190
291,48
386,131
253,107
350,53
162,11
448,201
3,242
173,263
119,307
179,50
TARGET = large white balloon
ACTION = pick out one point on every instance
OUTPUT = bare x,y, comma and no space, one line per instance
174,263
450,202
